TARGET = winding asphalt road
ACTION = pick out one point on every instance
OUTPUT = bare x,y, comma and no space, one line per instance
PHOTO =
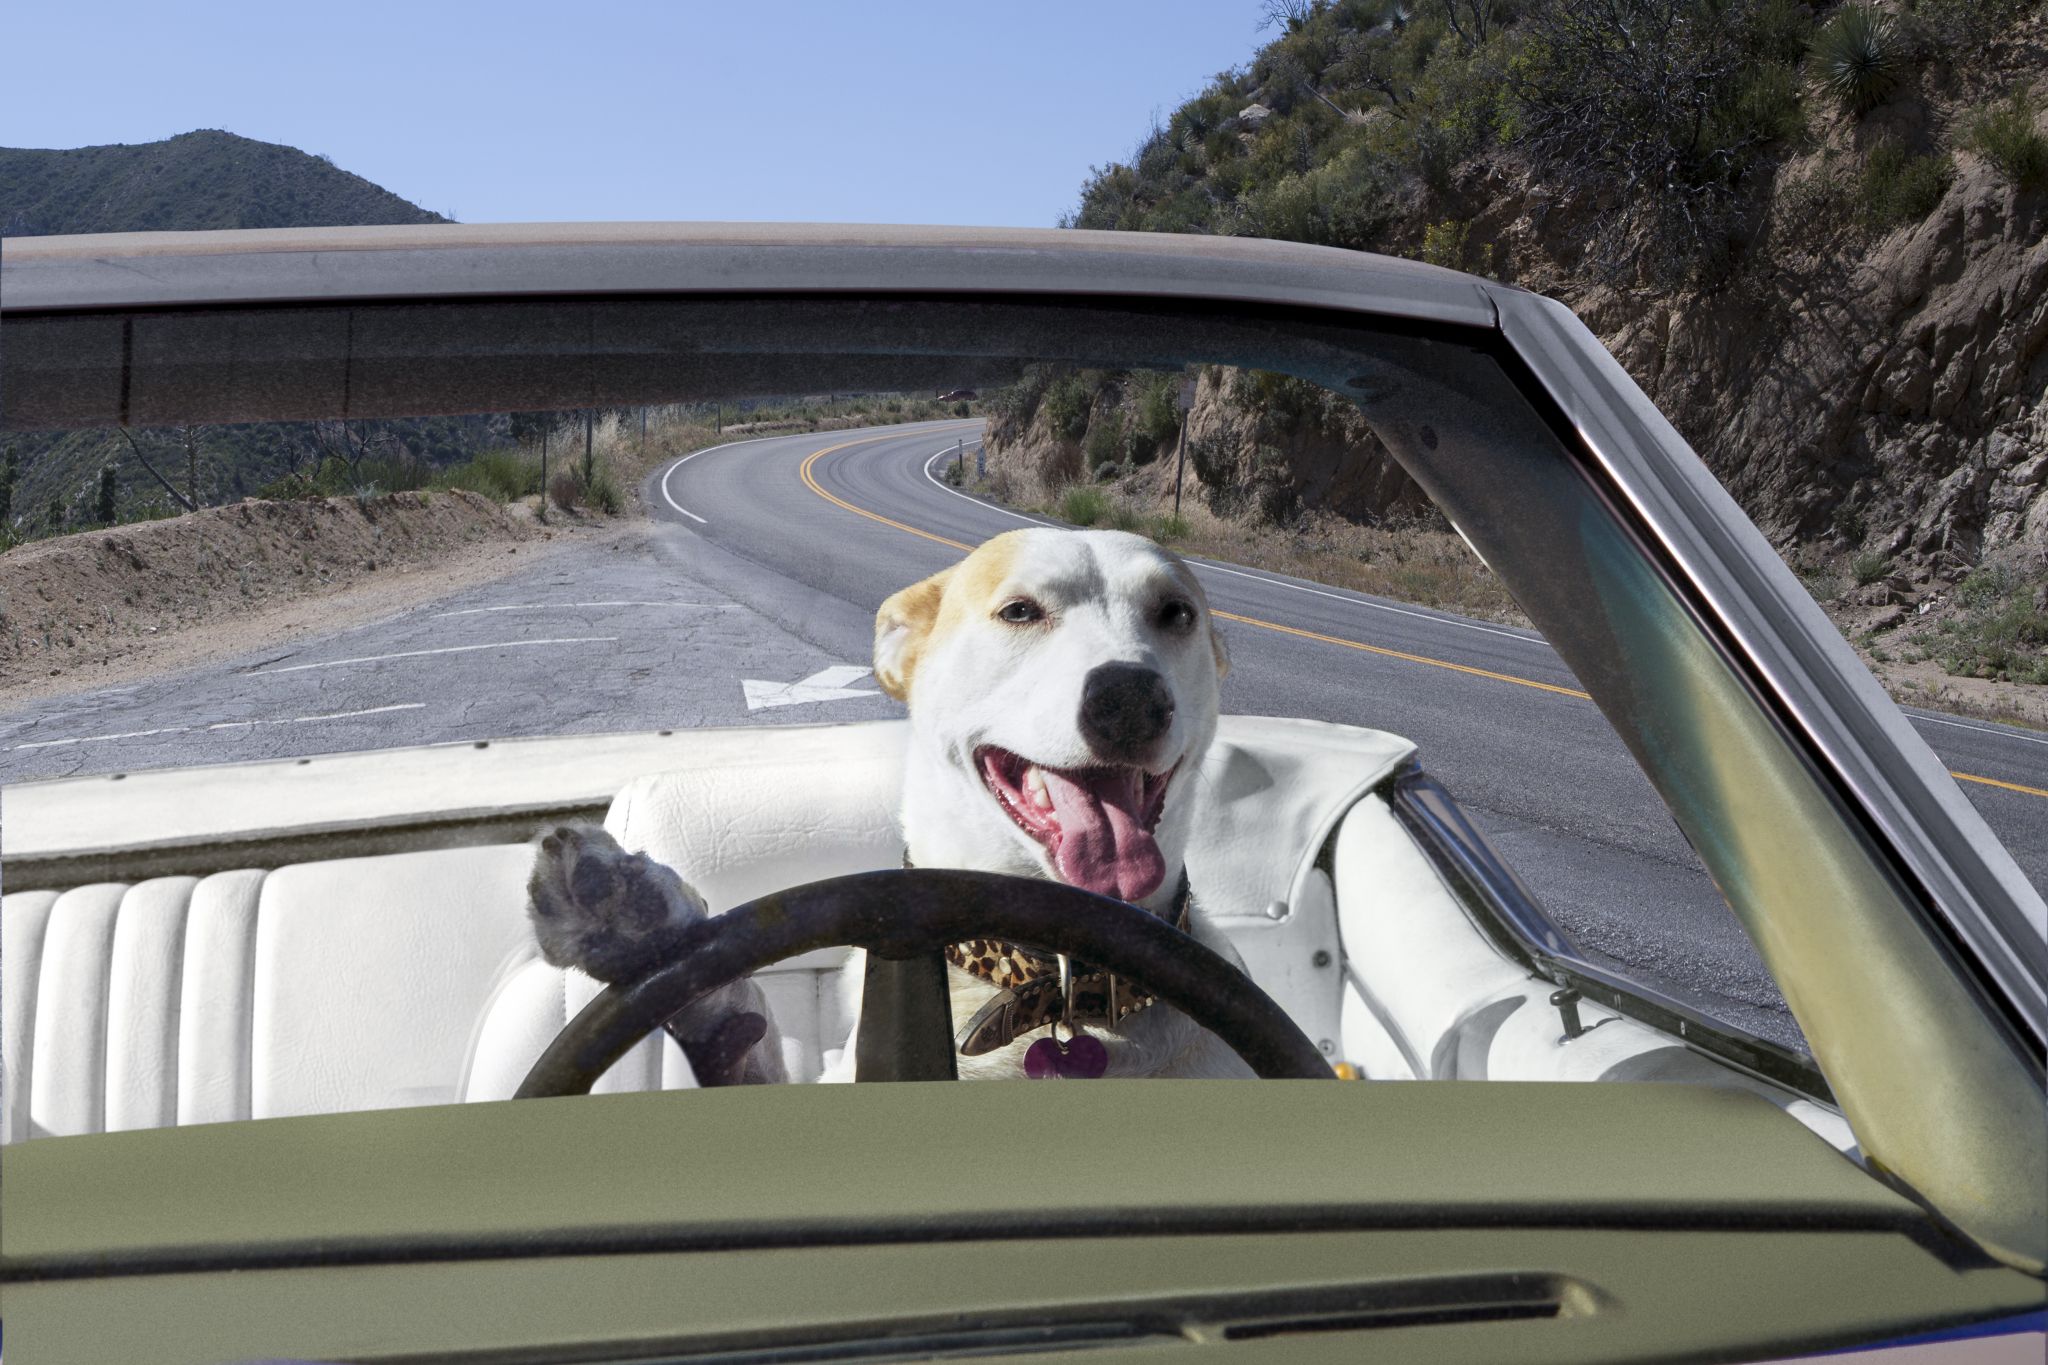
751,597
819,530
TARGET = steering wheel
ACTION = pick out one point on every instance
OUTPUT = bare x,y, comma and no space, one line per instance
904,920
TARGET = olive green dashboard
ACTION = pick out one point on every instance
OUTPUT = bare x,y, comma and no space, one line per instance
1455,1221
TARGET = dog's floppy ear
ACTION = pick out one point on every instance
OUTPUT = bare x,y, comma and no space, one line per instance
901,628
1220,650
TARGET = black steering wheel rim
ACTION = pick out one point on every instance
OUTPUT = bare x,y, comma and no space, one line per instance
901,914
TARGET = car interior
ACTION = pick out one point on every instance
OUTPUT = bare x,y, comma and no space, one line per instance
339,946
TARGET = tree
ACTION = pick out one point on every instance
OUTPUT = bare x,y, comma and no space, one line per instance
1286,15
143,460
108,489
53,515
1632,102
528,427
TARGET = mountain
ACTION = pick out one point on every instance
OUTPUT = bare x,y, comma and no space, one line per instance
192,182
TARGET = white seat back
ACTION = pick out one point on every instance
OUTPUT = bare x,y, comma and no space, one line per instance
412,978
363,983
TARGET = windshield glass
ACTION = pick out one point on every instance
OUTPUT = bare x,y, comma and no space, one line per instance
463,525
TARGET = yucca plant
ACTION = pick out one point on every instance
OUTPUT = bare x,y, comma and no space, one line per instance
1859,56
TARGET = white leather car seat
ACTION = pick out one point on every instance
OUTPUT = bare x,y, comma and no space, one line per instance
412,978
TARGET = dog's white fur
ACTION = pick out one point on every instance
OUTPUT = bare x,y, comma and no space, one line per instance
972,678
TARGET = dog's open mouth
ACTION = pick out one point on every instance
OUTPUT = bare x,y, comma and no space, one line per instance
1096,822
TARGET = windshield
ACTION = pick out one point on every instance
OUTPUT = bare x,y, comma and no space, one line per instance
586,547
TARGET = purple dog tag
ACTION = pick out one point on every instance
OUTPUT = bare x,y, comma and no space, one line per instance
1083,1059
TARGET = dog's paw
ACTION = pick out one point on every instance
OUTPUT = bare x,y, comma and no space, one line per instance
616,915
602,910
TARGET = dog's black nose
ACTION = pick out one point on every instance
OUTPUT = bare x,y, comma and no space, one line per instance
1125,708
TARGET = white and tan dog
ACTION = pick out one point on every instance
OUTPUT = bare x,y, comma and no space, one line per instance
1062,688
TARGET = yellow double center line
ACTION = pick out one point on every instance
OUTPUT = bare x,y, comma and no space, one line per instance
811,482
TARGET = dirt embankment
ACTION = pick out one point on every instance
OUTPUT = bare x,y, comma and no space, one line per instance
104,606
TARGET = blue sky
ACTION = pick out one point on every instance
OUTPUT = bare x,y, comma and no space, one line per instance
958,112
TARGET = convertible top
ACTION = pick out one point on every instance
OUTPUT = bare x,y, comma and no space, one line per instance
527,260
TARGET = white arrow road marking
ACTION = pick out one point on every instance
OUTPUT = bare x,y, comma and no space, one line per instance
827,684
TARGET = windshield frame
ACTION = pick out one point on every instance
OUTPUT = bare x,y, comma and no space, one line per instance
1923,873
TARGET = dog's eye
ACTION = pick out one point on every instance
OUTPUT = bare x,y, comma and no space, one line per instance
1021,611
1177,614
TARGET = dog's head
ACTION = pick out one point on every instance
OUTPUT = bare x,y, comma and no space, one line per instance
1066,684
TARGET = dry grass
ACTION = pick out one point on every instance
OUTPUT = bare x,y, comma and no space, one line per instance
1426,567
1415,564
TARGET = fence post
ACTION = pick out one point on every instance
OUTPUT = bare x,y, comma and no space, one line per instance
1186,404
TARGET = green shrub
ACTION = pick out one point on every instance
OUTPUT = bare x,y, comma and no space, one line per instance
1961,27
1868,568
1768,107
1105,444
1065,405
1983,588
1444,243
501,475
1897,187
2000,633
1860,56
604,494
1782,29
1171,526
1124,517
1158,415
2004,135
1084,506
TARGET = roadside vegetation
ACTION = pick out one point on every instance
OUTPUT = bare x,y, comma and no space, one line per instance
1651,129
591,467
1706,181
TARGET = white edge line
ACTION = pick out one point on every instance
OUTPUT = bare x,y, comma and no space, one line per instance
97,739
670,498
445,649
561,606
225,725
1980,729
1261,578
351,715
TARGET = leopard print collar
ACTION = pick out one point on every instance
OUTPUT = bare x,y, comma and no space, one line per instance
1029,995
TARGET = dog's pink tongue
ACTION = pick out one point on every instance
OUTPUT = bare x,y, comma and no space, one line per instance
1104,846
